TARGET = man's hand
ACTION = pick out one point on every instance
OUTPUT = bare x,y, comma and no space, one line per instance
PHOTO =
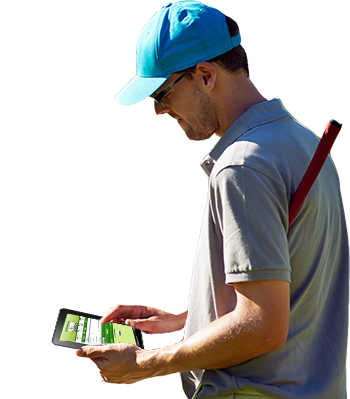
146,319
119,363
258,324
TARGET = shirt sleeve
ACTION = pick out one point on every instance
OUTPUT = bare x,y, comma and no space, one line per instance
250,211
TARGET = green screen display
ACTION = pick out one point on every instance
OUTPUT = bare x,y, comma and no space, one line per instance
89,331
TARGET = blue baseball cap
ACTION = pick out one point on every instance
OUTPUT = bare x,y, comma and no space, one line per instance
178,37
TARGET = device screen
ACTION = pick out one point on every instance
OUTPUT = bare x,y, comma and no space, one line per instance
89,331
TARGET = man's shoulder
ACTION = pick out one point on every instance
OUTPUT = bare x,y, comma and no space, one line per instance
278,147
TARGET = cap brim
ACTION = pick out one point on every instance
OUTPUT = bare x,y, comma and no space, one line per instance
138,89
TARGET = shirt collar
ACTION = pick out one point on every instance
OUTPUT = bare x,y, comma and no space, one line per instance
256,115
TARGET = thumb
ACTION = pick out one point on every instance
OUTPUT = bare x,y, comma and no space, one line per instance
148,326
130,323
91,352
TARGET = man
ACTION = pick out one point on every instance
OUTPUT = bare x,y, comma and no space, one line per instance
267,314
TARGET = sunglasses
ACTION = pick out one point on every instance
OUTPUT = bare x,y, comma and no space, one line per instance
158,97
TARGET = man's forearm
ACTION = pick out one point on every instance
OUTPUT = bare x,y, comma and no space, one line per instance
220,344
258,324
247,332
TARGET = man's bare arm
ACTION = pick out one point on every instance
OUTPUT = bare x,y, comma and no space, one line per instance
146,319
258,324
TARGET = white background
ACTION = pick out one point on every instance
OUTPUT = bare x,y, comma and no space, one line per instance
101,203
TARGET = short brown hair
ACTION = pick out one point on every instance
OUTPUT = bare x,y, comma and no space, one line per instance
233,60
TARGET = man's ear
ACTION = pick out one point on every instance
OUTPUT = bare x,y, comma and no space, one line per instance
207,73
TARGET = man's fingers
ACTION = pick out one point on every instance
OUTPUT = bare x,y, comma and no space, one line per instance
148,326
92,352
114,313
95,356
139,324
121,312
130,323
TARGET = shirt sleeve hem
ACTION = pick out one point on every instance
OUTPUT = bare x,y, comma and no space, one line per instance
240,277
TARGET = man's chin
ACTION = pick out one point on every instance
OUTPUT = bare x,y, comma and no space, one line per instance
193,134
197,136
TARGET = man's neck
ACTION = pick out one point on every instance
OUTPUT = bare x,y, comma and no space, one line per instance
238,94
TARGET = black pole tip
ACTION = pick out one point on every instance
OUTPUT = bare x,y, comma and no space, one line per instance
335,123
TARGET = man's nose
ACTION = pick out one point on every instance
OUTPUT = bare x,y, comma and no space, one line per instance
160,110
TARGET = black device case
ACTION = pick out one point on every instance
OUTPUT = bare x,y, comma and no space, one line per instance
75,345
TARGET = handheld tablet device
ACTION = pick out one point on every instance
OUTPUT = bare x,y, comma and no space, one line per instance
75,329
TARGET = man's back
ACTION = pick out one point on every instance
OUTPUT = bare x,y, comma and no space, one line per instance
251,185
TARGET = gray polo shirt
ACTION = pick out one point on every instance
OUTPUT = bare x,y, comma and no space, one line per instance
253,172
